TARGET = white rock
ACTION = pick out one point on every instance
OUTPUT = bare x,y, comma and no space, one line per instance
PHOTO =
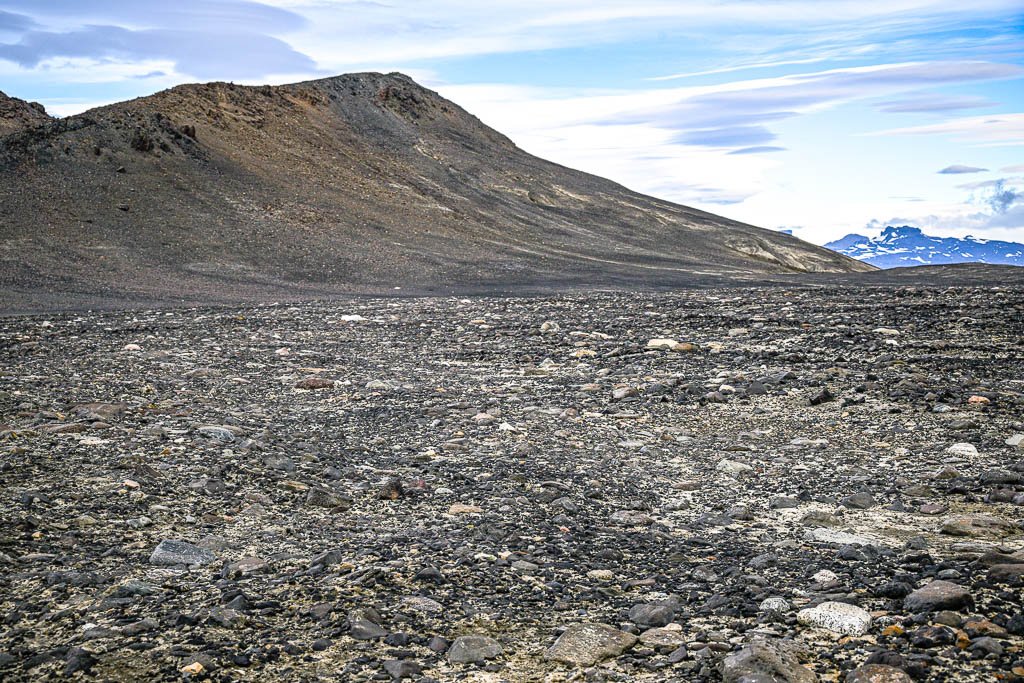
962,449
418,603
131,347
733,468
662,343
355,318
1016,440
826,577
839,537
775,605
838,617
888,331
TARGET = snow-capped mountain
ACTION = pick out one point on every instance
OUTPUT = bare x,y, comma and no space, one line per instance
907,246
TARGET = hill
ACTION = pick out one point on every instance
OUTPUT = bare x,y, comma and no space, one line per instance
16,115
357,183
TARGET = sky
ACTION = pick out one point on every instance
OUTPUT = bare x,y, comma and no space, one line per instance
820,117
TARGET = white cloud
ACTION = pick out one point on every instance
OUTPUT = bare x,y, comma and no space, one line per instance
996,129
638,137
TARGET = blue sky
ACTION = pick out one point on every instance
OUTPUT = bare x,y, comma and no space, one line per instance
820,117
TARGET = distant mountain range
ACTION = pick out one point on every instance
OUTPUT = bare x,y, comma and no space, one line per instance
906,246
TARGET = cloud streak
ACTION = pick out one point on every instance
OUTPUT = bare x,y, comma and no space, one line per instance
933,103
997,129
200,54
957,169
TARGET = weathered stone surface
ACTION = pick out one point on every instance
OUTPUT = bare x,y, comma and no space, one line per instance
172,552
588,644
764,662
474,649
878,673
838,617
977,525
938,595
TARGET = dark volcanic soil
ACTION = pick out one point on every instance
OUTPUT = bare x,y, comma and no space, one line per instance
447,489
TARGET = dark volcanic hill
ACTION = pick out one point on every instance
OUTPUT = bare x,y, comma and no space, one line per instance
18,114
358,183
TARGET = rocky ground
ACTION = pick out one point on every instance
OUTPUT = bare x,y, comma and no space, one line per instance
749,485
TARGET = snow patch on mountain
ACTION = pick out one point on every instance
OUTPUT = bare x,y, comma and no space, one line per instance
908,246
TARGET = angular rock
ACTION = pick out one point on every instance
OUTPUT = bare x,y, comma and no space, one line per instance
662,639
363,625
655,614
474,649
937,595
765,662
588,644
878,673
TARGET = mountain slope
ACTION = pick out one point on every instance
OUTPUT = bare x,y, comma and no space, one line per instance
907,246
358,183
18,114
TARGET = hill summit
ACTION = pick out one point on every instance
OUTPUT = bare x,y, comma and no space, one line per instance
18,114
357,183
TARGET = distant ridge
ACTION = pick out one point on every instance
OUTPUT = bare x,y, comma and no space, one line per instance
357,183
908,246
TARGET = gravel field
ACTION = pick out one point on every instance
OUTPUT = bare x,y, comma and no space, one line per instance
756,485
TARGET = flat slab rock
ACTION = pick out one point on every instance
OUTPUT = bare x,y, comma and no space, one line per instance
938,595
588,644
171,552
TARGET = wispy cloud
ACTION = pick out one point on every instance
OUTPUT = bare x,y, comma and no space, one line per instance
933,103
201,38
736,136
761,149
957,169
11,22
998,129
198,53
